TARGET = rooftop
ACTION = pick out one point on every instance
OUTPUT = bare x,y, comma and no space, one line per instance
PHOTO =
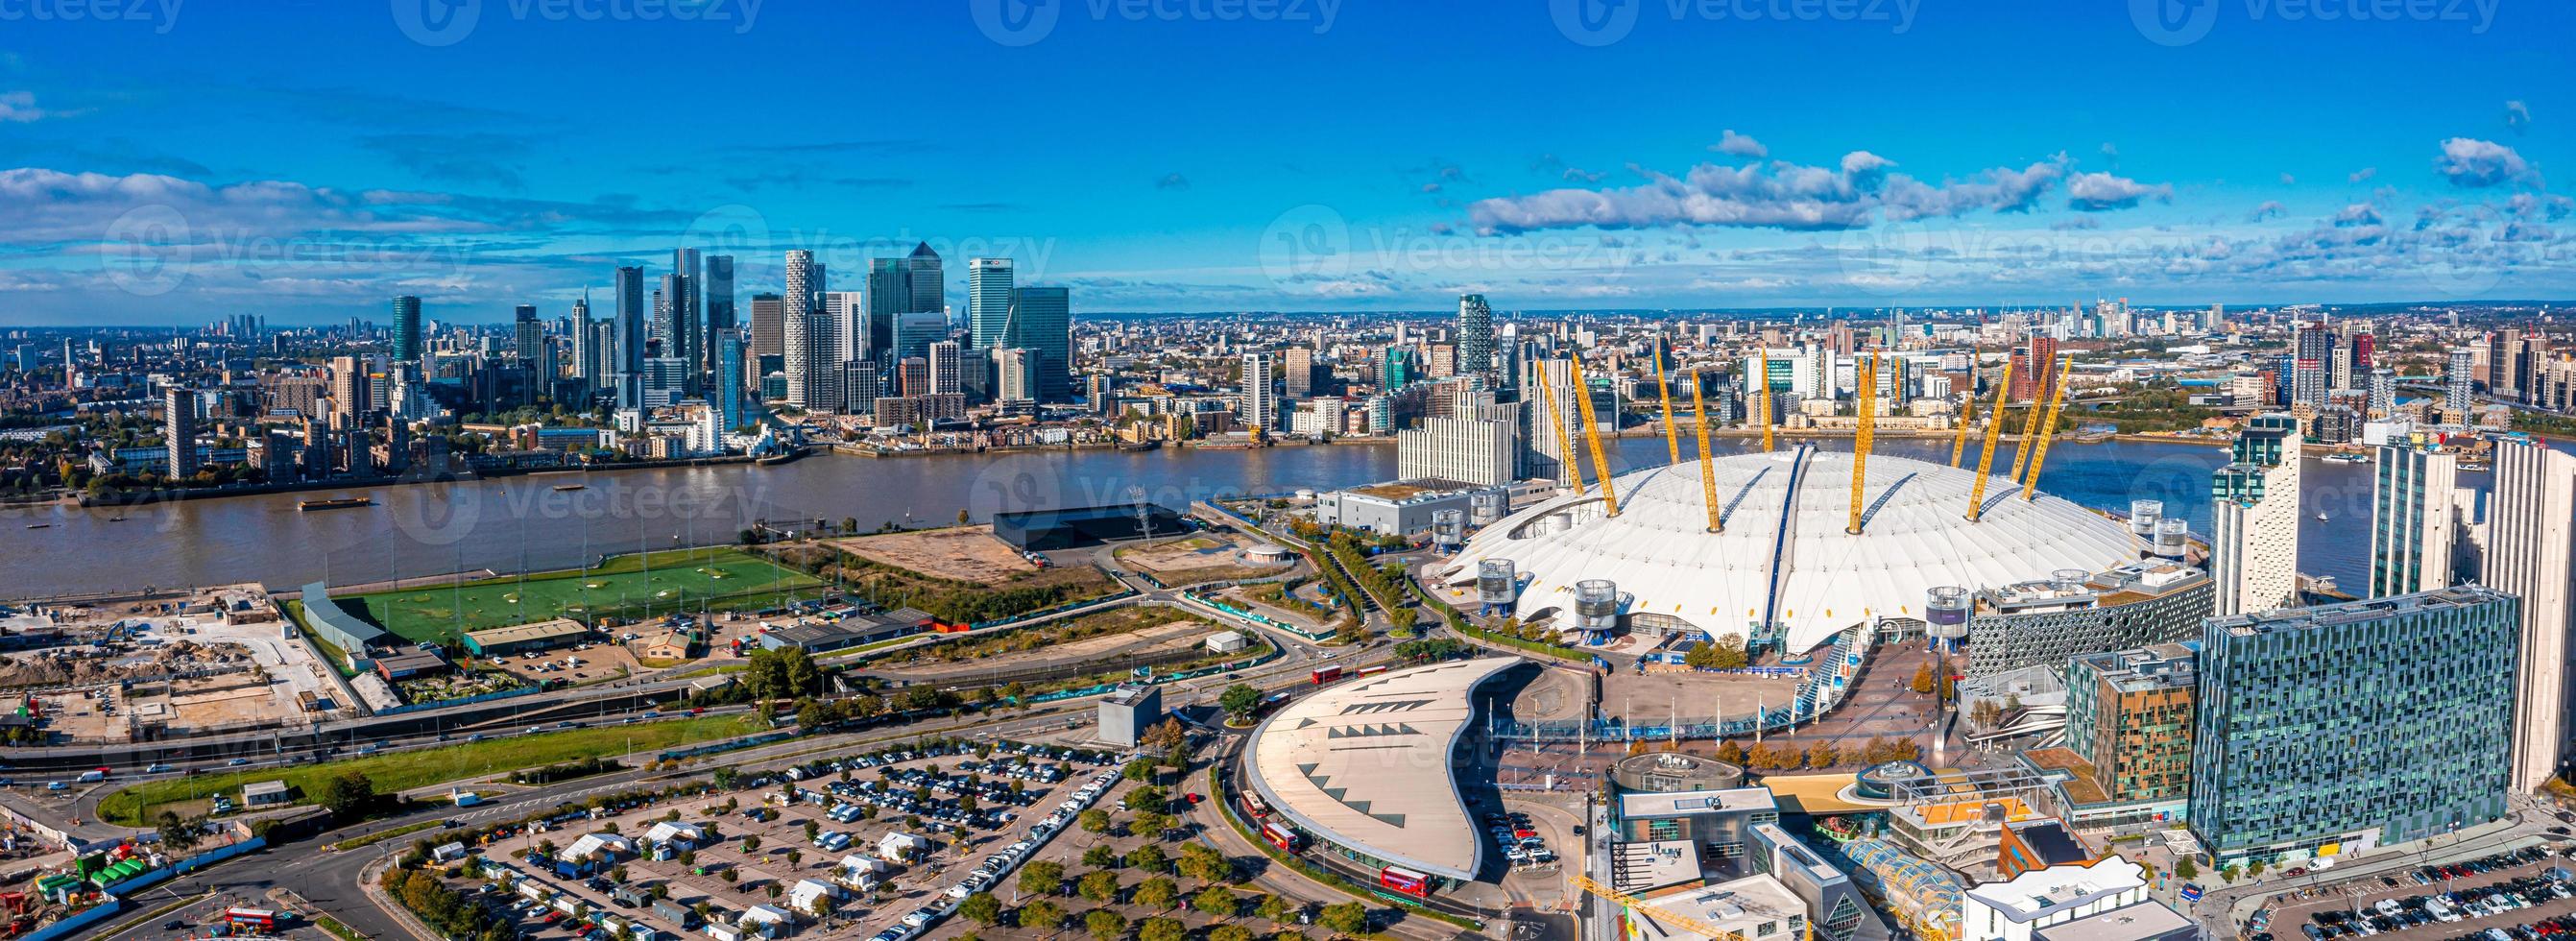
1651,806
2328,615
1367,764
525,633
1738,907
2143,669
1644,867
2042,892
2147,919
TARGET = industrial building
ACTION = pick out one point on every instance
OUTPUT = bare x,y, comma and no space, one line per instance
1128,711
410,663
524,638
327,620
826,636
1402,508
2334,730
1075,527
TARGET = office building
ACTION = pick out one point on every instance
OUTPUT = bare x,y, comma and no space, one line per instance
1475,353
2528,553
768,331
889,296
947,368
2341,729
626,324
915,331
1041,321
407,346
2412,519
2015,909
1016,380
2254,549
716,291
928,281
179,427
1482,449
1257,404
988,301
2129,716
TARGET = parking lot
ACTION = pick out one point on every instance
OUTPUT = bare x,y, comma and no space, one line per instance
867,842
2511,893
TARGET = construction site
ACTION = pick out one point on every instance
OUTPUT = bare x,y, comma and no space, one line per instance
150,668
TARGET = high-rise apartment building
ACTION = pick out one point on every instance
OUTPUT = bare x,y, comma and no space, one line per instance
2383,393
687,297
2312,347
1257,402
989,283
2034,371
586,354
407,346
947,367
768,329
2129,716
2254,550
1482,448
849,313
352,394
179,427
726,384
1015,376
2530,552
1297,372
2412,520
626,322
719,296
805,283
2348,728
2455,386
1475,335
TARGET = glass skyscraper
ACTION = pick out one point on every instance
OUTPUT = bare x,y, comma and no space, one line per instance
1475,335
988,301
2335,730
407,348
1041,322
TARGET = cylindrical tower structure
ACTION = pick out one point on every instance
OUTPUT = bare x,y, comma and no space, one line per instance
2070,580
1945,612
2173,535
1596,608
1486,507
1497,585
2143,515
1448,529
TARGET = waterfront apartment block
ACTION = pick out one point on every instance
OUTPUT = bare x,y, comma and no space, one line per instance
2333,730
2129,715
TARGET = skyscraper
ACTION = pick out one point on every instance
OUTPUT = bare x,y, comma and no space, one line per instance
768,331
719,294
407,345
2034,369
947,367
725,388
988,300
889,296
671,316
2528,553
2254,551
1041,321
1475,335
804,283
688,336
627,323
2411,521
1297,372
179,426
585,354
850,321
1257,405
1016,381
915,331
2383,393
2455,379
929,280
2313,347
2352,727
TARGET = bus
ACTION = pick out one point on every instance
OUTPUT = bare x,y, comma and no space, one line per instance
259,918
1254,806
1405,881
1283,838
1327,675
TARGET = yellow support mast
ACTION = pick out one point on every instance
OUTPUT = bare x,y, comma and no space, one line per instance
2030,423
1707,465
1592,433
1986,458
1676,920
1868,406
1672,437
1967,413
2048,429
1762,394
1564,440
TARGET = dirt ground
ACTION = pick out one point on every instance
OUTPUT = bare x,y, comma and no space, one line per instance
1171,636
214,702
964,553
1653,698
1199,558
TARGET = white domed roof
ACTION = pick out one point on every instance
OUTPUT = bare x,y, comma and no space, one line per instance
1785,514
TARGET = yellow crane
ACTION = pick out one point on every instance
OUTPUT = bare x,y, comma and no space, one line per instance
1762,393
1986,458
1592,433
1641,906
1707,466
2030,420
2048,429
1967,413
1672,439
1556,422
1868,406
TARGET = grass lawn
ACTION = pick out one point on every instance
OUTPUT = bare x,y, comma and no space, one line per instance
625,588
401,771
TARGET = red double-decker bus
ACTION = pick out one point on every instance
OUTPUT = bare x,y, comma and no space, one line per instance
1284,838
259,918
1327,675
1254,806
1405,880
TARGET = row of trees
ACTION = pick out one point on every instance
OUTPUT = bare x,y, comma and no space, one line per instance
1817,755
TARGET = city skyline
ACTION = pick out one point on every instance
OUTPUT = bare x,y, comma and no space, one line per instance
2245,158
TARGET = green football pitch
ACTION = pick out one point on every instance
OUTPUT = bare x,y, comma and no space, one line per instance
627,587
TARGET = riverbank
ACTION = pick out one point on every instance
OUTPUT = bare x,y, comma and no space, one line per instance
129,498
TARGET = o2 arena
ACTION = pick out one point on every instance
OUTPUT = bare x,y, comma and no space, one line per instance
1782,568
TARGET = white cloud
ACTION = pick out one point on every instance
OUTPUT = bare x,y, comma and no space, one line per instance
1777,194
2100,192
2517,116
1738,145
2270,209
2473,163
19,107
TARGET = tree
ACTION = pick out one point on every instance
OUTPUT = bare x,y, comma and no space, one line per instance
1100,856
2254,869
1141,769
1229,933
1167,737
1204,863
981,908
1401,619
349,795
1041,915
1215,900
1158,893
1043,877
1098,885
750,843
1238,701
1822,755
1148,857
1730,752
1275,909
1152,824
2185,868
1105,925
1923,678
1161,929
177,833
1095,820
1345,918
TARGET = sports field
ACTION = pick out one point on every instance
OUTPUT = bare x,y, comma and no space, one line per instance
627,587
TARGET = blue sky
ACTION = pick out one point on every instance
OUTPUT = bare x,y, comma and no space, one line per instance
193,159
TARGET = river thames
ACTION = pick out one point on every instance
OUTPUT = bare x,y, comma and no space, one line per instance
524,522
